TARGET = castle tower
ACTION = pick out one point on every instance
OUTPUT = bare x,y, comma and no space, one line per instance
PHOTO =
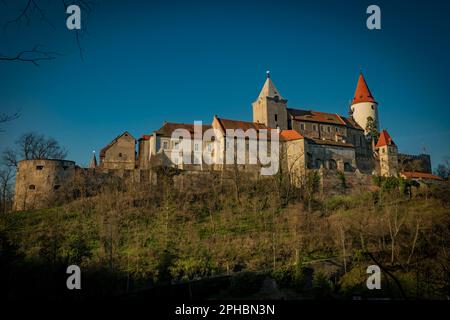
270,107
364,105
388,155
40,182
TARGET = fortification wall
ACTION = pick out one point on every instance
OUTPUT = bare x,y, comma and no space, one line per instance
38,182
338,182
419,163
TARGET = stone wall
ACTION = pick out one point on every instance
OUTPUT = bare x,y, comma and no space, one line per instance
337,182
418,163
119,154
38,182
329,157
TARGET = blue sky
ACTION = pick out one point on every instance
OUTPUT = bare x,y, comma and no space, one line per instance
180,61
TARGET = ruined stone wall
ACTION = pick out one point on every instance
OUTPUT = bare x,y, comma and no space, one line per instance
38,182
418,163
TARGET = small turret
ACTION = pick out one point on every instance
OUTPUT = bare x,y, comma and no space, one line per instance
388,155
93,163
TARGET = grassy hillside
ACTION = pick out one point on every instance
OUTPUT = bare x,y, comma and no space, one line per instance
310,244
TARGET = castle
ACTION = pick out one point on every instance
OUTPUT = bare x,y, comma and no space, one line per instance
326,140
308,139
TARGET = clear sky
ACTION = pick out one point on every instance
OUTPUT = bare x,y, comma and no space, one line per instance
180,61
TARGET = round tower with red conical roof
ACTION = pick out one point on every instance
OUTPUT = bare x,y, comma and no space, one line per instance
364,105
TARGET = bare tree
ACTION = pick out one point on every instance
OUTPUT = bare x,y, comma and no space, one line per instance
33,146
443,169
6,177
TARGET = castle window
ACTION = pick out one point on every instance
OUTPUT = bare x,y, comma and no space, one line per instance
120,154
56,187
39,167
32,187
372,107
318,163
276,118
165,145
348,167
332,165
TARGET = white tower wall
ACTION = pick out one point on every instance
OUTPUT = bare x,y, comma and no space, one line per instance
363,110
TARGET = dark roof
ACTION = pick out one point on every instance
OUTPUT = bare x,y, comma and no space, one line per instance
323,117
103,151
244,125
331,143
351,123
238,124
168,127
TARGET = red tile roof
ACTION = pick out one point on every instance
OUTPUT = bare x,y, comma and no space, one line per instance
421,175
145,137
290,135
362,92
384,139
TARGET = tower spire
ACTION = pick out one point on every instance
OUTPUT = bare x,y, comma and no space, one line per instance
93,163
269,89
363,106
362,92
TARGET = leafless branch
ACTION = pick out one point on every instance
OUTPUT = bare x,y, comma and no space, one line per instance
35,56
30,10
30,7
9,117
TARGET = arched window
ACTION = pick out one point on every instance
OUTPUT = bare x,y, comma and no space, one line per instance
332,165
348,167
